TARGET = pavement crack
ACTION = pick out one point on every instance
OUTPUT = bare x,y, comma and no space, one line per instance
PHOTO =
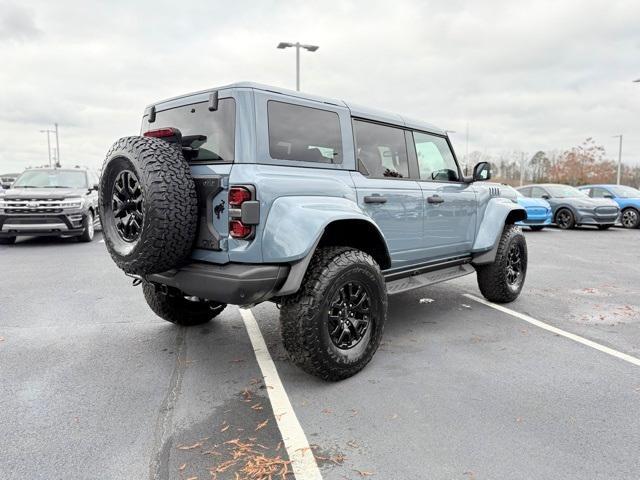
161,450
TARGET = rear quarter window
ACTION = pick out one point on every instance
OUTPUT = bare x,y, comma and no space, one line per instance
207,136
304,134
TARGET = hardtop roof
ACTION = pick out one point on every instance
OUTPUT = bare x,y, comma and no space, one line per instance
355,109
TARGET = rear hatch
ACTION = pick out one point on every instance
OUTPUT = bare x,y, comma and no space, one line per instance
206,132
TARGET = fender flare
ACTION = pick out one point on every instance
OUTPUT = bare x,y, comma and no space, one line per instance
498,213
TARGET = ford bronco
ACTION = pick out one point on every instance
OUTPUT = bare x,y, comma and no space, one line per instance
248,193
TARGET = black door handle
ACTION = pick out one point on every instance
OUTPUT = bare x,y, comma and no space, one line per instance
375,199
435,199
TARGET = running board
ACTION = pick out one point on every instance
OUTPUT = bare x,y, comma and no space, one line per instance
425,279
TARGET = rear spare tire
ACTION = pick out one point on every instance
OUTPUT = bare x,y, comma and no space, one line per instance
148,205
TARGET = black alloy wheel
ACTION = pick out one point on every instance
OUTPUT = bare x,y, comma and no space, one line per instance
349,315
514,264
127,206
564,219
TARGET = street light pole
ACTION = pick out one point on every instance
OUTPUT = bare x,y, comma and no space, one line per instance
48,143
619,158
57,146
298,46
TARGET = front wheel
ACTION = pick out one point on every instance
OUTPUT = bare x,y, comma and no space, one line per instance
333,326
565,219
630,218
502,280
89,228
173,306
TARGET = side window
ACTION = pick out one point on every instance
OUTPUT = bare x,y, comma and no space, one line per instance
303,133
435,158
599,193
381,150
537,192
525,191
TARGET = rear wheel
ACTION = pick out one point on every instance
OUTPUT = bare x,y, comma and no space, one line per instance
565,219
89,228
7,240
502,280
173,306
630,218
333,326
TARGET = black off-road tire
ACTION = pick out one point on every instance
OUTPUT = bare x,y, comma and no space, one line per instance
304,317
89,226
565,219
175,308
166,201
536,228
493,278
7,240
605,227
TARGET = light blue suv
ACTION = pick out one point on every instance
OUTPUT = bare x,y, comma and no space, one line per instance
248,193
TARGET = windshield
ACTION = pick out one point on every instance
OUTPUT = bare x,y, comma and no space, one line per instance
625,192
52,179
512,191
564,191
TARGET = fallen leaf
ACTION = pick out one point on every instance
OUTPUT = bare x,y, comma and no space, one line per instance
189,447
427,300
182,467
257,406
262,425
225,428
365,473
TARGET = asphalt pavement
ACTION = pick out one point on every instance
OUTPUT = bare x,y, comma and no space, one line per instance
94,385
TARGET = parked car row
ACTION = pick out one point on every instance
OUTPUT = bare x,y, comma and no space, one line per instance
568,207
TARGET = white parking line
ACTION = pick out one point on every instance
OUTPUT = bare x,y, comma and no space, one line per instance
572,336
303,463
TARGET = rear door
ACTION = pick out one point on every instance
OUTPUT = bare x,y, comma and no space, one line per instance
208,143
450,206
386,191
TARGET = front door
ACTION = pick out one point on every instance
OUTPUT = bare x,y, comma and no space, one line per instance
450,207
385,190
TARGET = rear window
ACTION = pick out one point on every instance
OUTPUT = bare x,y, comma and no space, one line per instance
208,136
303,133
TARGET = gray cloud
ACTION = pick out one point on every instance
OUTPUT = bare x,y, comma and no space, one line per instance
524,75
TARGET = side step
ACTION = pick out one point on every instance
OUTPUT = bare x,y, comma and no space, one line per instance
429,278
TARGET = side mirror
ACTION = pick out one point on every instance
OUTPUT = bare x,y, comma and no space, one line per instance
608,195
482,171
545,196
95,187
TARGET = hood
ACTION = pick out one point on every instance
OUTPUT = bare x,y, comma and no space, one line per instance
533,202
56,193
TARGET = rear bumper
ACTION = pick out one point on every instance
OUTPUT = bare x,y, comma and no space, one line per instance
233,283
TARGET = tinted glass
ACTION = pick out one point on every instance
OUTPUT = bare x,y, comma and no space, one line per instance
381,150
565,191
526,191
537,192
208,136
52,179
625,192
304,133
435,158
597,192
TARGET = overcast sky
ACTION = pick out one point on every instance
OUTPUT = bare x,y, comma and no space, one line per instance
525,75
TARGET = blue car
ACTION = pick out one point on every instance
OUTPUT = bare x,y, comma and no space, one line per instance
627,198
539,213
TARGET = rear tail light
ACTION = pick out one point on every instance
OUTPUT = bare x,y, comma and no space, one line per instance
237,196
160,133
237,229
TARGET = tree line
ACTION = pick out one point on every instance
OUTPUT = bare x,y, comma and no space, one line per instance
585,164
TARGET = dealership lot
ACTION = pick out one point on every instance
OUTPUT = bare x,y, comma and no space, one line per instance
95,386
